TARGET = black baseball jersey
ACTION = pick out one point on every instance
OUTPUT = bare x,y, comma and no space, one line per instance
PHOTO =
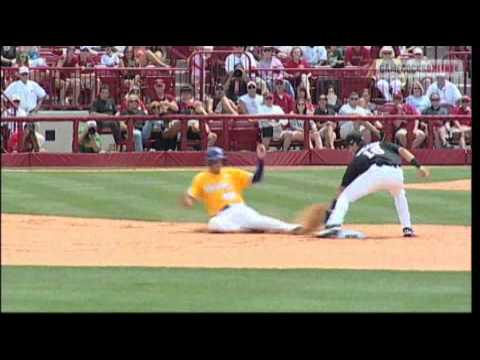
380,153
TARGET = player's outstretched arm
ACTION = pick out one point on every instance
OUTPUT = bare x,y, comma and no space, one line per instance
410,158
261,154
187,200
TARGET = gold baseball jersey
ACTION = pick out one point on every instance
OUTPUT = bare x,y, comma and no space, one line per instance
219,190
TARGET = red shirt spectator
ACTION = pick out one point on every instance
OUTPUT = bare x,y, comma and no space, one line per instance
357,56
69,61
401,108
463,109
285,101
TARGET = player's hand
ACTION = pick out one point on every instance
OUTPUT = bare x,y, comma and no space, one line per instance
423,172
186,201
261,151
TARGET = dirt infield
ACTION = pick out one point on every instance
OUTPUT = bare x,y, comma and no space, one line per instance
47,240
455,185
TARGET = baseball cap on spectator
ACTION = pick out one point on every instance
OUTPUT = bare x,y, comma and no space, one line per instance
186,88
251,83
417,51
91,124
23,70
386,49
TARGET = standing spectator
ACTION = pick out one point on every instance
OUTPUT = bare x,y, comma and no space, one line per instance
449,93
333,100
387,72
236,83
297,61
326,128
110,59
357,56
347,127
315,55
251,102
298,127
133,108
90,140
246,59
400,126
105,105
272,129
418,99
8,55
282,99
220,103
439,126
68,79
30,93
464,127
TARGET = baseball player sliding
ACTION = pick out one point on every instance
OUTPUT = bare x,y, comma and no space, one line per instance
220,189
375,167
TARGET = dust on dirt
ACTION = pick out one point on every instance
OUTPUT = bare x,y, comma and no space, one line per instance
62,241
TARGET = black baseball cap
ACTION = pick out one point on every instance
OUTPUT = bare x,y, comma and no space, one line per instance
354,138
186,88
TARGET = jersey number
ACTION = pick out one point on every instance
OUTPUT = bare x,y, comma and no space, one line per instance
371,150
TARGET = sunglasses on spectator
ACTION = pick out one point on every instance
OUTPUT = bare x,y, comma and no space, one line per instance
251,87
354,98
159,84
435,99
269,98
301,104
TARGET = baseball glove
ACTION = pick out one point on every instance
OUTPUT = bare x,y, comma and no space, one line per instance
312,217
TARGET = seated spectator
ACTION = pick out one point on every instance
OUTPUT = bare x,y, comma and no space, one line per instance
463,127
298,128
449,93
110,59
105,105
377,127
333,100
31,141
439,129
8,55
246,59
335,57
272,129
315,56
282,99
326,128
271,67
68,79
35,59
153,129
236,83
375,51
417,68
87,77
387,72
303,96
135,90
133,108
90,140
418,99
347,127
357,56
251,102
159,94
129,60
400,126
297,61
30,93
283,52
220,103
157,55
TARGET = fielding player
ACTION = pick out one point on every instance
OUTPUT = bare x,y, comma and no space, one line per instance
220,189
375,167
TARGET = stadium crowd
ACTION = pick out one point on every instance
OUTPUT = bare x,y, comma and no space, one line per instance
278,80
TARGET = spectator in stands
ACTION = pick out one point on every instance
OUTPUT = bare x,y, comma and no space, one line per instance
273,69
246,59
133,108
368,104
110,59
357,56
439,129
418,99
220,103
376,51
68,80
14,110
283,52
463,127
387,72
8,55
105,105
272,129
335,57
417,68
31,140
153,129
449,93
333,100
315,55
400,126
87,77
157,55
347,127
282,99
236,83
90,140
298,127
134,90
31,94
303,96
297,61
159,94
251,102
129,60
326,128
35,59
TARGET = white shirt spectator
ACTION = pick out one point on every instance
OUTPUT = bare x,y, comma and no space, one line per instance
449,94
347,109
110,61
314,55
10,112
270,110
246,60
252,104
28,93
418,102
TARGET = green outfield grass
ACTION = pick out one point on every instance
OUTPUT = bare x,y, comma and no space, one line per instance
153,196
